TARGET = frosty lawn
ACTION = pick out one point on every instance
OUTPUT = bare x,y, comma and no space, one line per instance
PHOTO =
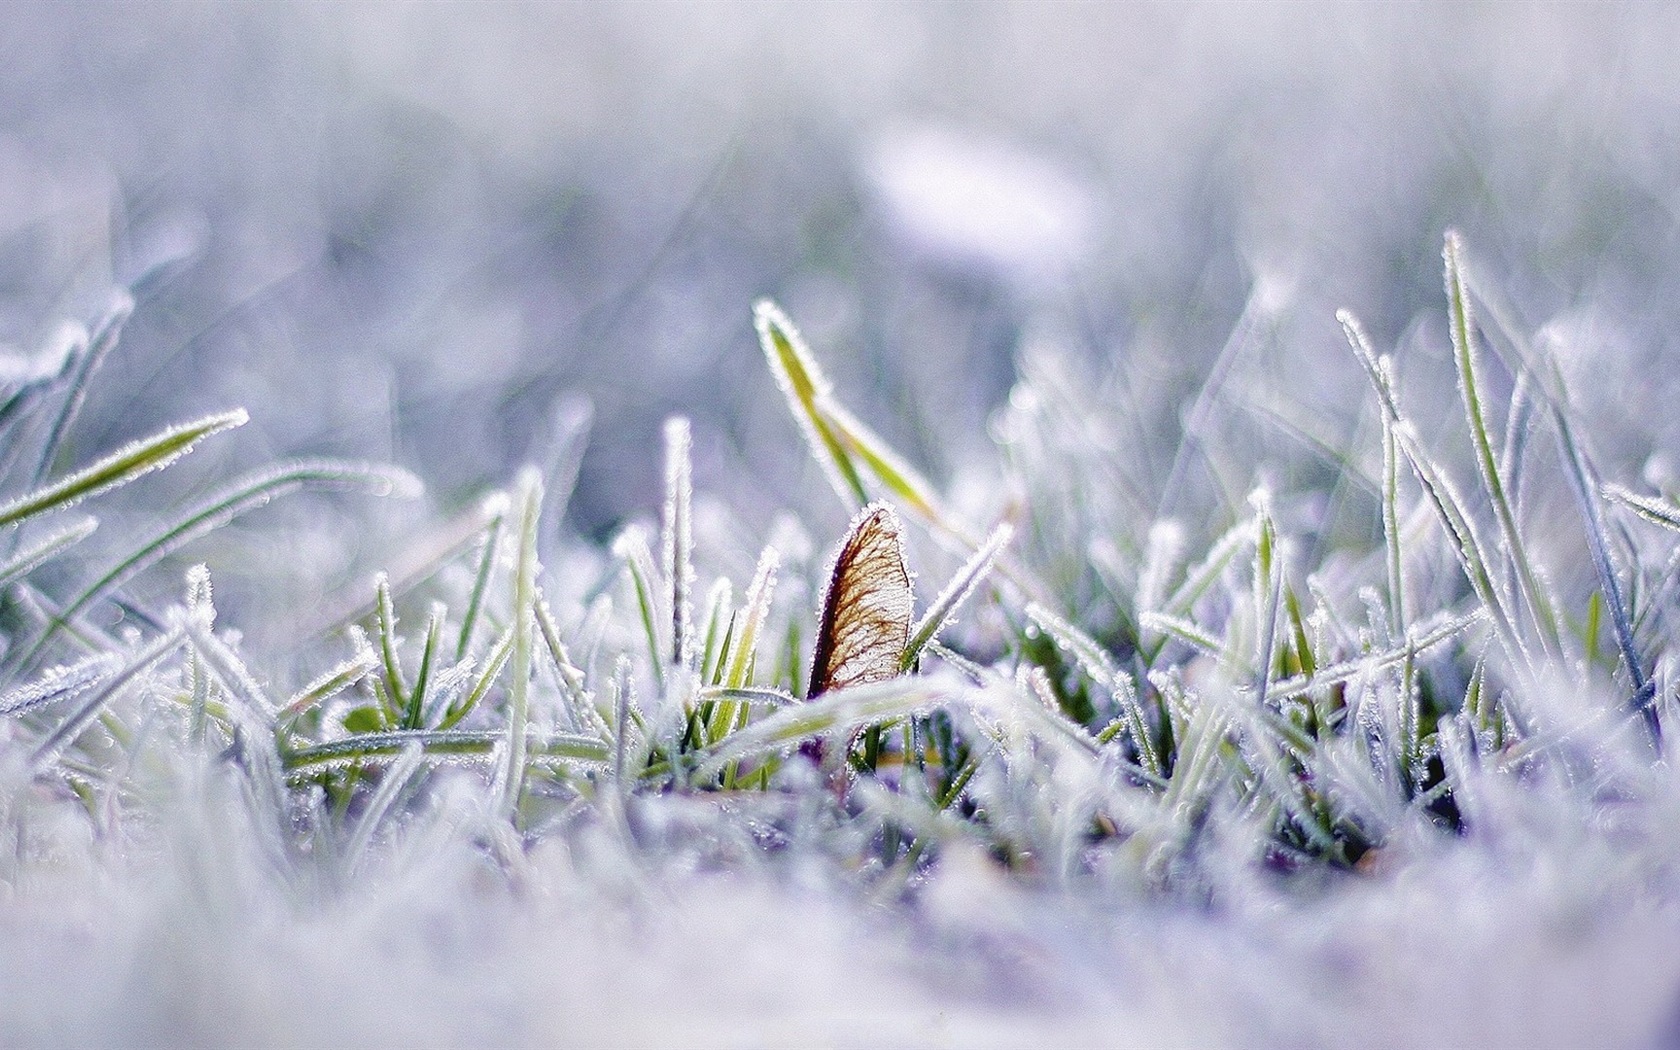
1382,756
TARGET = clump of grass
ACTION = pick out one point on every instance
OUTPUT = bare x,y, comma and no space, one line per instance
1142,695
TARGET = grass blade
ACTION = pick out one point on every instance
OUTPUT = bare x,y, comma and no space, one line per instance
121,467
524,616
677,539
955,593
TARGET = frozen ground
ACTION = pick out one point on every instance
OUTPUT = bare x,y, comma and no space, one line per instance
457,238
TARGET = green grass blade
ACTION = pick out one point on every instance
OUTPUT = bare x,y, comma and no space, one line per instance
804,386
1462,327
87,362
413,716
493,664
842,711
495,508
385,625
631,548
121,467
331,683
755,608
1100,668
714,644
440,744
956,592
248,494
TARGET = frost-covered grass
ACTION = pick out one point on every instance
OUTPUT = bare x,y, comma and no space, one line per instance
414,539
1369,748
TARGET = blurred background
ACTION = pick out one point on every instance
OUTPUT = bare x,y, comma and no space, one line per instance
437,233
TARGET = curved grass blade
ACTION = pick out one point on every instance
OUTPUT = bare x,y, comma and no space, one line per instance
391,786
842,711
32,558
807,391
121,467
60,683
250,493
631,547
1101,669
99,344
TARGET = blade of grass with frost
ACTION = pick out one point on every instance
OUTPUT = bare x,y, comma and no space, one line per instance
415,709
1195,775
1467,549
251,493
493,664
749,694
621,725
1209,569
956,592
1393,539
755,608
714,643
631,548
1097,665
841,710
573,684
1462,328
530,489
1584,487
1582,479
738,657
32,558
201,608
385,626
495,507
1347,670
332,682
1390,487
99,344
121,467
1657,510
72,726
1268,586
1277,781
440,744
1052,722
1163,551
835,436
391,785
804,386
677,539
1519,424
59,683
